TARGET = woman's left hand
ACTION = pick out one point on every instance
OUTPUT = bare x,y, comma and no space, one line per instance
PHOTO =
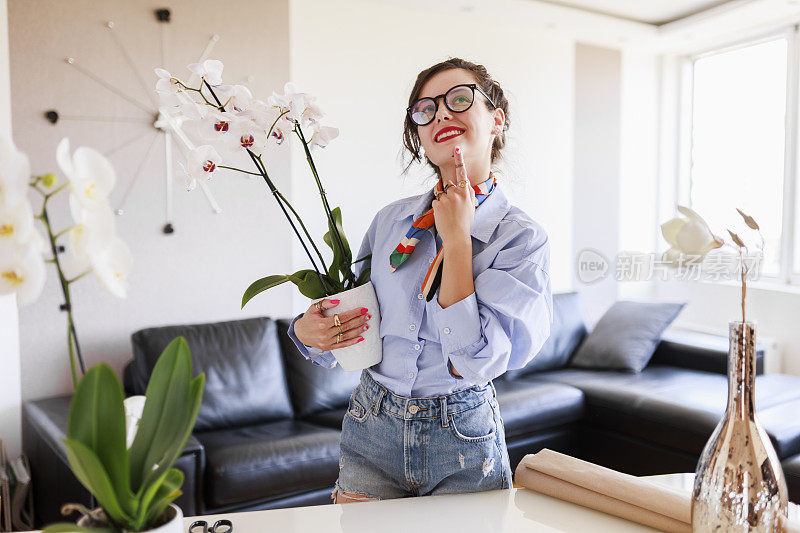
455,208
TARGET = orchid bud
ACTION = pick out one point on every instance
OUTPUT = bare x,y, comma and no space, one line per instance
49,180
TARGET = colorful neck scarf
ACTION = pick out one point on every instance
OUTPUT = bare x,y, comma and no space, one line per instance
406,247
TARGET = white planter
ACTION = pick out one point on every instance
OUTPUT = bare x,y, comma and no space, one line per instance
175,524
368,352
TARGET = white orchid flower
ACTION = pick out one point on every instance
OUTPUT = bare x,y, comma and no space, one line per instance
90,174
214,126
22,271
167,87
322,136
690,236
200,165
293,102
247,135
278,134
92,233
112,267
16,223
261,113
236,97
210,70
311,115
15,171
134,408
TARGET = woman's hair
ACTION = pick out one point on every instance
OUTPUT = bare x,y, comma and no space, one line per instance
484,81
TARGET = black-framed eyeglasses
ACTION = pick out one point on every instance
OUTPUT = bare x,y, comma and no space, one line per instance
458,99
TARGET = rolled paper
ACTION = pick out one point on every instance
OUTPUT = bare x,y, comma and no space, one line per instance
596,487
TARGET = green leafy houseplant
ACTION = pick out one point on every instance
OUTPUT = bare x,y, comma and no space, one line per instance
135,486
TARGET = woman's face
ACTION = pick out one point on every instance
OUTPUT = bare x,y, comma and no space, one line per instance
477,123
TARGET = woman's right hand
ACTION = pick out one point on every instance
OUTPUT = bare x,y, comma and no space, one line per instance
317,330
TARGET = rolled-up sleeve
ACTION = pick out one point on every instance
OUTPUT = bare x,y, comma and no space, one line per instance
317,356
506,321
326,358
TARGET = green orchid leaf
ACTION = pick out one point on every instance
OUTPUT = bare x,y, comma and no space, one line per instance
168,490
363,277
182,430
261,285
165,407
90,472
347,259
64,527
166,485
309,283
97,420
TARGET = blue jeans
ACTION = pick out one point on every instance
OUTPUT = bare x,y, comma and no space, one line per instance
395,446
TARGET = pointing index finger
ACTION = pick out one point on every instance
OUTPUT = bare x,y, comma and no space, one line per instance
461,168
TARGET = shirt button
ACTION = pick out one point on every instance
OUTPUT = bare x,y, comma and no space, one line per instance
430,261
420,296
413,409
412,327
410,374
446,330
416,346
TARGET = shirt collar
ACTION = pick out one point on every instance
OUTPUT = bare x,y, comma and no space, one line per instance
487,216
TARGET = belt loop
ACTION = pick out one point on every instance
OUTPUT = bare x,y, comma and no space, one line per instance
443,402
377,408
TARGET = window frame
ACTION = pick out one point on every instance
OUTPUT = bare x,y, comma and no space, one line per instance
787,275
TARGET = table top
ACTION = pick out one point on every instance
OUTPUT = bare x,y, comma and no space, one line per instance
509,510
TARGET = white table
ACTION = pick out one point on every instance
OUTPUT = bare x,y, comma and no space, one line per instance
510,510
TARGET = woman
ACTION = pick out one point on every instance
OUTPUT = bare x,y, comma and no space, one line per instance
464,295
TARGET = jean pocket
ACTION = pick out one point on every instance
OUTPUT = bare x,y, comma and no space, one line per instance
475,424
356,407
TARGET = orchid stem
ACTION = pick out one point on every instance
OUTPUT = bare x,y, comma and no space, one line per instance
72,335
334,229
278,197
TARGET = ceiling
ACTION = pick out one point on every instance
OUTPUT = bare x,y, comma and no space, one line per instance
655,12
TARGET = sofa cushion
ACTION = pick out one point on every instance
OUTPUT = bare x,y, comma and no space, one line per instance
245,381
680,408
314,388
625,337
526,407
791,470
566,333
268,460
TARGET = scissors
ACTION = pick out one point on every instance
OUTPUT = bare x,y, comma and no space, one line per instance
220,526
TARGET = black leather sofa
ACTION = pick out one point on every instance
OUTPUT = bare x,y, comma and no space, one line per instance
267,435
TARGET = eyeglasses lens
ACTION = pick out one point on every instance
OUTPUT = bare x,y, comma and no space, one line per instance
458,99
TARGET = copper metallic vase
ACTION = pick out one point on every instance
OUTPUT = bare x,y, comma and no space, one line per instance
739,484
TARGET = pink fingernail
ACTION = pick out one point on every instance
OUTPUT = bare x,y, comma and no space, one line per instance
364,310
335,302
458,149
359,340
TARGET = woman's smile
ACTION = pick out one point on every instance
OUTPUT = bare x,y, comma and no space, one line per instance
447,133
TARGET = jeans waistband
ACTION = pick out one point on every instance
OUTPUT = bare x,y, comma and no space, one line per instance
382,399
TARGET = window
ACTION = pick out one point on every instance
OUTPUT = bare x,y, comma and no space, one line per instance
738,138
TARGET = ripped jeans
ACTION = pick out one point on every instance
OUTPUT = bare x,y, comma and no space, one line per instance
395,446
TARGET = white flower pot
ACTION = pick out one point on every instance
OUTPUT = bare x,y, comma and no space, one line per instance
368,352
174,525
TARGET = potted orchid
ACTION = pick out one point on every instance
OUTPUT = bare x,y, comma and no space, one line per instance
93,244
739,484
228,120
123,452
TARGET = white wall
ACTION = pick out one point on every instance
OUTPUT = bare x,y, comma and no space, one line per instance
378,48
197,274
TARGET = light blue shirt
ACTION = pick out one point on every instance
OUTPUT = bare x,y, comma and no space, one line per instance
501,326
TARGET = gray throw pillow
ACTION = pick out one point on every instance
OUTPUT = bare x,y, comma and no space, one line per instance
626,336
